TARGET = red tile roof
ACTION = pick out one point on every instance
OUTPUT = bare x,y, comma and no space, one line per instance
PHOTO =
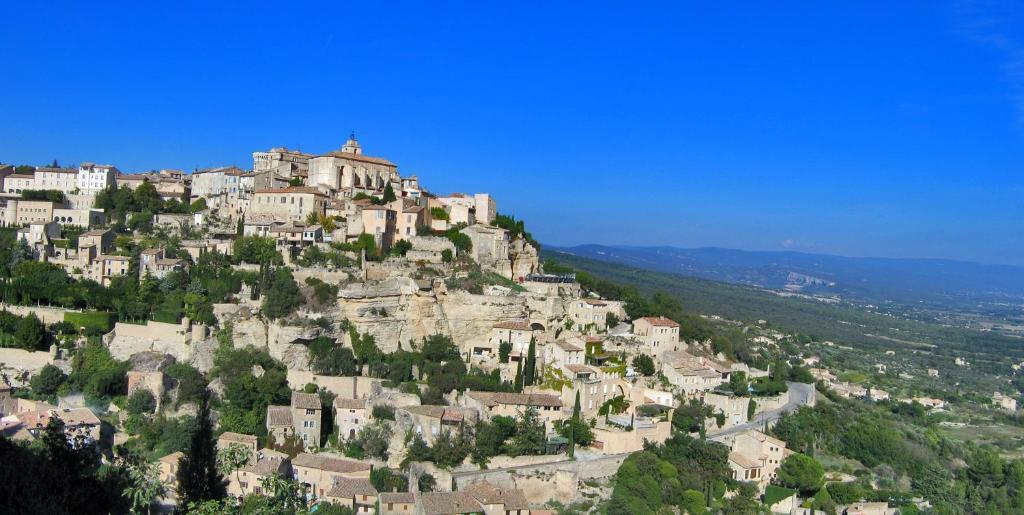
659,321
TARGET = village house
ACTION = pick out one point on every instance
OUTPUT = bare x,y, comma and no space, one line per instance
290,239
877,394
303,418
278,165
744,468
490,404
659,334
733,407
93,178
409,215
768,452
380,221
822,374
692,374
358,494
18,182
429,421
563,353
35,211
249,478
291,204
319,472
214,182
81,426
848,390
490,248
397,503
1005,402
588,315
350,416
469,209
155,263
168,473
481,497
517,333
229,439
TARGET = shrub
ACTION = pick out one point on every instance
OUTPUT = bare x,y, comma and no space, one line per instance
141,401
383,412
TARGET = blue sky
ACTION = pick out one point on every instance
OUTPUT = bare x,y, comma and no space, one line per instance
867,129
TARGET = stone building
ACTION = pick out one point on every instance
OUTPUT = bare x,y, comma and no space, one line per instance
292,204
303,418
350,415
94,178
357,494
249,478
155,263
225,180
278,165
429,421
489,404
319,472
659,334
349,168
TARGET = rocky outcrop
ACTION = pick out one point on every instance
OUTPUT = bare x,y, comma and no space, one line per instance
525,260
396,311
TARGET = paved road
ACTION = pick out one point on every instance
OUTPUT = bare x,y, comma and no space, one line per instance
800,394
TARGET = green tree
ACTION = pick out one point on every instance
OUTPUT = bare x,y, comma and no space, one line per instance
30,333
518,385
530,371
572,425
198,477
738,384
504,349
144,486
47,381
801,472
644,364
389,194
282,296
529,436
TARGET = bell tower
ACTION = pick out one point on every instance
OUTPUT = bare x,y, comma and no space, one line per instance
352,145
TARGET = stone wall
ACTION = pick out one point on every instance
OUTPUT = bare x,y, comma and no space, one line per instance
18,365
543,482
355,387
771,403
47,315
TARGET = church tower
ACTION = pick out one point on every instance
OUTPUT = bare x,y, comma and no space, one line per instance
352,145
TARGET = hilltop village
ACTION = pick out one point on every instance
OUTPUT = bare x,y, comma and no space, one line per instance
327,334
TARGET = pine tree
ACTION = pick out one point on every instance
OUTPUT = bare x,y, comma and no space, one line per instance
519,376
529,374
198,478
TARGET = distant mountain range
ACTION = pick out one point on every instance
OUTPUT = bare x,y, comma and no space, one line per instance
937,282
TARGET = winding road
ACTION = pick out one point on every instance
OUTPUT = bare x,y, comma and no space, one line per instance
800,394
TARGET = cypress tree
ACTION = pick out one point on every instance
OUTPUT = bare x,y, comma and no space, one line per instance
519,376
530,374
198,478
572,427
